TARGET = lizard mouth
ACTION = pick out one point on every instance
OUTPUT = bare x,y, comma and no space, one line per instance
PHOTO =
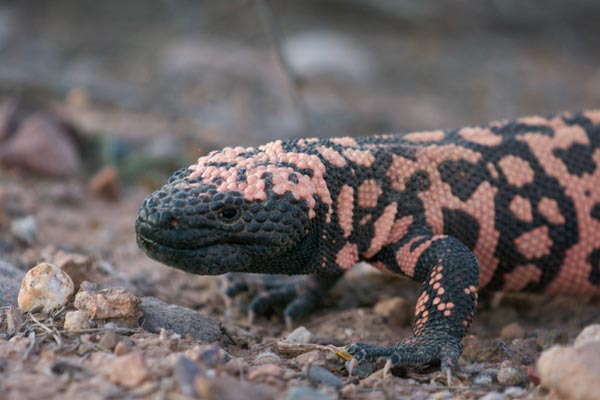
196,250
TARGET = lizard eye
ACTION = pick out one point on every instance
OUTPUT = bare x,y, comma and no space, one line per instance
229,213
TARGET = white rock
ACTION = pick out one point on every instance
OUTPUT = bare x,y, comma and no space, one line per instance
325,53
300,335
45,286
590,333
76,320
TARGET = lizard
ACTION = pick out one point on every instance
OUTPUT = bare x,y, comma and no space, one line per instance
509,206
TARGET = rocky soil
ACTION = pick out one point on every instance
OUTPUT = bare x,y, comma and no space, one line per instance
96,113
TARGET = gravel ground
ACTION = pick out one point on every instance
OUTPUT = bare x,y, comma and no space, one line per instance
96,112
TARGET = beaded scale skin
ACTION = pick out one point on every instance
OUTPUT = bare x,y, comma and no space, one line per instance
511,206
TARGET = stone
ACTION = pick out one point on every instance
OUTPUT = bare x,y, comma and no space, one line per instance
122,348
305,393
78,266
10,279
311,357
227,388
265,371
183,321
328,54
266,357
105,183
108,303
509,376
77,320
395,310
129,370
589,334
512,331
300,335
41,145
8,118
185,372
45,287
318,375
109,340
571,372
24,229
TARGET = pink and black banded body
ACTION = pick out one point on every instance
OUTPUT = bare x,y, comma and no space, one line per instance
509,206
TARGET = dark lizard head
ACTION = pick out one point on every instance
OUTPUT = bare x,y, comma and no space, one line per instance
236,210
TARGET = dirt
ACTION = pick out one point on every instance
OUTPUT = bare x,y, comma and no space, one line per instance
163,97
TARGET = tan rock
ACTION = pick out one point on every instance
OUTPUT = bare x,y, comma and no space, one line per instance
108,303
45,286
128,370
105,183
76,321
122,348
571,372
109,340
265,371
395,310
512,331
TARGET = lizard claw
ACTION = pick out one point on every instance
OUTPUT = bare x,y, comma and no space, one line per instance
351,364
386,368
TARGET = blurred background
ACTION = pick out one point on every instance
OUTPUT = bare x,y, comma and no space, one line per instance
212,71
100,101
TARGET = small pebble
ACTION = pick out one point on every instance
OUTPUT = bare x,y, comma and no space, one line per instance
122,348
266,357
76,321
317,375
212,355
483,379
105,183
514,392
226,388
305,393
128,370
24,229
493,396
395,310
442,395
265,371
509,376
300,335
185,372
45,287
311,357
109,340
512,331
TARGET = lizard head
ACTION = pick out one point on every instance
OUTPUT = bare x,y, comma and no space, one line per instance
236,210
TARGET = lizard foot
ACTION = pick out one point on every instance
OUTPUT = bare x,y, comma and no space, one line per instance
417,351
298,295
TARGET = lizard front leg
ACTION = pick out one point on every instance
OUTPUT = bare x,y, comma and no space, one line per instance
450,273
299,295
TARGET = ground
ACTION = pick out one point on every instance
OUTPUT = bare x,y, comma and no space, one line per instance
145,106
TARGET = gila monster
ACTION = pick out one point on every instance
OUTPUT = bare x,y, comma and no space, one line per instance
510,206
